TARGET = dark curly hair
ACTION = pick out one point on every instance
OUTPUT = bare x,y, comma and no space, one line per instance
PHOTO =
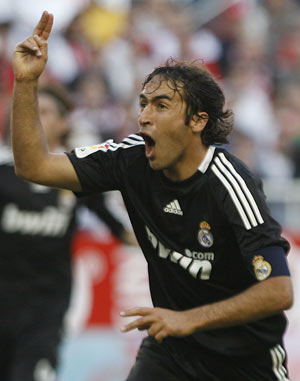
60,95
200,91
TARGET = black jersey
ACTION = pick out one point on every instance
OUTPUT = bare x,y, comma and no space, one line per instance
36,226
200,236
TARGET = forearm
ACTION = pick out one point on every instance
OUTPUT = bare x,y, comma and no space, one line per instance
28,140
261,300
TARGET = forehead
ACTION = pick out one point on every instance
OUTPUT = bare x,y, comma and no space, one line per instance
158,86
49,104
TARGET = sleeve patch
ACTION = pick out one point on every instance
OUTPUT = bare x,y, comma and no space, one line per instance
262,268
82,152
270,262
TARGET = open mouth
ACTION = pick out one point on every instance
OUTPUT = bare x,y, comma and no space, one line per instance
149,141
149,145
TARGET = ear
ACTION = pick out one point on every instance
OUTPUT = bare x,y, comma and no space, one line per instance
198,122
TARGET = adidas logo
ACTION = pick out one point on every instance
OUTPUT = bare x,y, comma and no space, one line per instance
174,208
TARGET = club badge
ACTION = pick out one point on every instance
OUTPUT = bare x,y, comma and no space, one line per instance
205,236
262,268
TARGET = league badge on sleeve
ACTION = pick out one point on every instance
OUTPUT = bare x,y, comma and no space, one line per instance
205,236
262,268
86,151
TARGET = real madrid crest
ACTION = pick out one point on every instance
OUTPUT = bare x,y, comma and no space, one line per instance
205,236
262,268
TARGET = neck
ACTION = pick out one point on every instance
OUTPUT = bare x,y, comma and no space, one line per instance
188,167
53,145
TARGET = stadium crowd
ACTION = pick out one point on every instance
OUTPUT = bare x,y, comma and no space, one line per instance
101,50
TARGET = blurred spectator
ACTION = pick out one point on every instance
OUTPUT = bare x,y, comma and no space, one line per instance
37,224
287,112
97,116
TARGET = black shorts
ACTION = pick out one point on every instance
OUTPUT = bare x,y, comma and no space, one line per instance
171,361
28,347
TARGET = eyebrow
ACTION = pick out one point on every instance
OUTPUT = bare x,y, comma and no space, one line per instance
157,97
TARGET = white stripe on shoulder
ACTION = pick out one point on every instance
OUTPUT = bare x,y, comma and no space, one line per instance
233,196
238,190
244,187
131,141
136,137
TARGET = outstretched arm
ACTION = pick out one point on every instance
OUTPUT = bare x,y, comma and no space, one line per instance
33,162
266,298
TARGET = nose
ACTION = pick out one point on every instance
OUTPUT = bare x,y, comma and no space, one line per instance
145,117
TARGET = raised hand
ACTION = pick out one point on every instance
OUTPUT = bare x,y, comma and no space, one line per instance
159,322
30,56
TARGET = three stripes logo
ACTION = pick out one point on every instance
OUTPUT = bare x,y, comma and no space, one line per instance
174,208
238,190
278,361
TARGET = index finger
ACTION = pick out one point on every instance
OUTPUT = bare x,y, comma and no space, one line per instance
44,26
138,311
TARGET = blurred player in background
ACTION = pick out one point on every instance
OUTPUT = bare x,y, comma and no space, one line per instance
37,224
218,273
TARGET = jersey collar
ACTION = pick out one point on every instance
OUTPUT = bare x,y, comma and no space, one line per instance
207,159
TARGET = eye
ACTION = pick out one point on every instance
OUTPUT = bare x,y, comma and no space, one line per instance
143,104
162,106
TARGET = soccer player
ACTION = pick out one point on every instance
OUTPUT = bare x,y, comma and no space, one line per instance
218,273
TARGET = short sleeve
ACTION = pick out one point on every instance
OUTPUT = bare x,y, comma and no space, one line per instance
103,167
240,195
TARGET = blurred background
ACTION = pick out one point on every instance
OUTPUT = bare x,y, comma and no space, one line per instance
100,52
